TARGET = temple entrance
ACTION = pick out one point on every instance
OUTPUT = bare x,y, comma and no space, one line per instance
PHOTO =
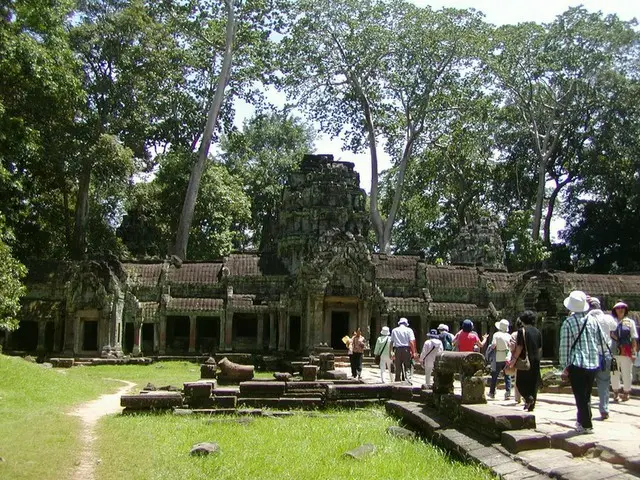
90,336
147,341
339,328
127,345
295,331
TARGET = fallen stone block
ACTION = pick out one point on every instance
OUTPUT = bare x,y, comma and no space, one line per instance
363,390
62,362
334,375
516,441
225,401
262,389
573,442
404,392
310,373
305,403
282,376
152,401
199,389
401,432
258,402
205,448
361,451
493,420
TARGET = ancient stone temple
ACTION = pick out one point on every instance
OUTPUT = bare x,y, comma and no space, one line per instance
317,283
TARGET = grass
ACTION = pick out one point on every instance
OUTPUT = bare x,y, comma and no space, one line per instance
39,440
156,447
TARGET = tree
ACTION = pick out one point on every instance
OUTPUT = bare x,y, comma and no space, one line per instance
221,209
263,154
383,72
245,58
11,274
551,74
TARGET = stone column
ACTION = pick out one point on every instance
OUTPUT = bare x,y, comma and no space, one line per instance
42,329
282,329
156,337
228,330
137,338
192,333
78,334
260,332
162,347
314,329
273,341
326,330
221,333
376,326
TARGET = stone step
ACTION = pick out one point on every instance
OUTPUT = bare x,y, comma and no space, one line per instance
151,401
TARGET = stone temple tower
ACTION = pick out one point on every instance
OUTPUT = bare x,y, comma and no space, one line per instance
479,244
323,196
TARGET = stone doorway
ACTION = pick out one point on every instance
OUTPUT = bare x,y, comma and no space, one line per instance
339,328
148,340
127,345
90,336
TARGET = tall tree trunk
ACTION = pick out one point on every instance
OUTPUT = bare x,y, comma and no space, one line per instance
67,220
546,238
79,245
186,216
537,213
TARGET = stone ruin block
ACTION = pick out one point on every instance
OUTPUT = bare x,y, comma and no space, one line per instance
258,402
473,389
199,389
334,375
152,401
310,373
405,392
326,361
271,363
208,371
62,362
282,376
493,420
225,401
363,390
306,403
262,389
231,372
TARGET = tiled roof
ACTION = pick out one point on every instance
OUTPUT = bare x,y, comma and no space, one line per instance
194,273
142,274
404,302
399,267
602,284
452,277
457,310
195,304
243,264
501,282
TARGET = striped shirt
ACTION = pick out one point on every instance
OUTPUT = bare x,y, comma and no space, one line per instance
585,353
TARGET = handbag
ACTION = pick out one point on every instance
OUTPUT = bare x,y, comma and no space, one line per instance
603,363
523,363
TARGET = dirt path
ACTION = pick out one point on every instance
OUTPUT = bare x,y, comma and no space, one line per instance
89,414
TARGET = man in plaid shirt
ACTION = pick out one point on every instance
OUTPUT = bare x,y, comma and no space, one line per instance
580,355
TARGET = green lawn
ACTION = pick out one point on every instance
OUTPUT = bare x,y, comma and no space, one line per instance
38,438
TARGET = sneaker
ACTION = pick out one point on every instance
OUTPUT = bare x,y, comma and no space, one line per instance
491,396
507,396
583,431
604,415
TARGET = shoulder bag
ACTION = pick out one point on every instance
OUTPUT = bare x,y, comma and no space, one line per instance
603,363
523,363
376,358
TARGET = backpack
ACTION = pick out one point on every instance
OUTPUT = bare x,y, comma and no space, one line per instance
446,341
623,332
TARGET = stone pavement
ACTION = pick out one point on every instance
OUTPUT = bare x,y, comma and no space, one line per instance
553,448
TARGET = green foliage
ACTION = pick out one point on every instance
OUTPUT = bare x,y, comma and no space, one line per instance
11,274
522,251
263,154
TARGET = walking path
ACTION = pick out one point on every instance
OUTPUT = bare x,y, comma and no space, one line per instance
554,449
89,414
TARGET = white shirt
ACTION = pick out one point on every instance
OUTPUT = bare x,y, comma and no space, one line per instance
501,342
430,350
607,323
402,336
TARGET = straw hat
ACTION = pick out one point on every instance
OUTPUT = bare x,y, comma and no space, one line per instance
577,301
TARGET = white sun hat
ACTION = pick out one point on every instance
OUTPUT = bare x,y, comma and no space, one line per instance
577,301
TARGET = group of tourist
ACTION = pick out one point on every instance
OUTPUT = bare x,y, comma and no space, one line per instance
597,348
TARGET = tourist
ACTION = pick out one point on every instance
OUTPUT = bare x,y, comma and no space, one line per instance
528,345
579,351
403,341
445,337
500,345
603,374
383,348
430,350
357,349
626,342
512,348
467,340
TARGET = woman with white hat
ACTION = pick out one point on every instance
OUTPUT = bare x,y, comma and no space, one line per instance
500,342
383,349
430,350
625,336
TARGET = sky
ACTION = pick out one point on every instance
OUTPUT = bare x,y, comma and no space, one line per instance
497,12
